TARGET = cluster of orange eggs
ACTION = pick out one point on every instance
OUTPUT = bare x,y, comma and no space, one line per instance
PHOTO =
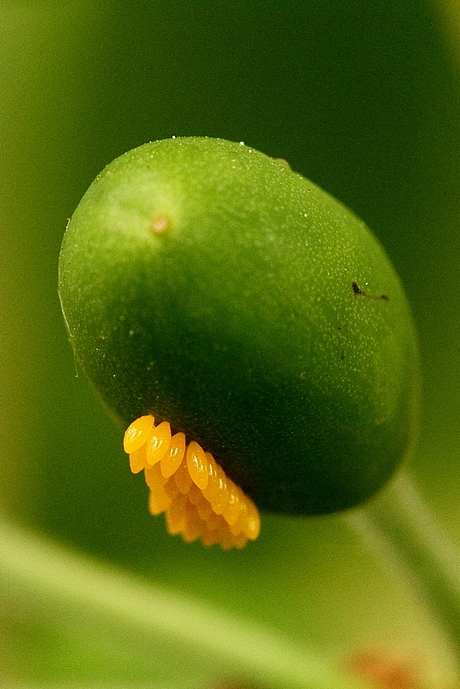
187,484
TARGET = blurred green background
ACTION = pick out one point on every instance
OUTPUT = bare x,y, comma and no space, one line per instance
363,97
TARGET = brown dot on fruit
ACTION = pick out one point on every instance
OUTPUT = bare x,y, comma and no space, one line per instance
358,292
160,223
283,163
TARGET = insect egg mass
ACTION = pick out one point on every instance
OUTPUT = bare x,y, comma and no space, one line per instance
248,331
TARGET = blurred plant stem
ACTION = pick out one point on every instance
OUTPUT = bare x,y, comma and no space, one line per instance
449,11
247,651
402,527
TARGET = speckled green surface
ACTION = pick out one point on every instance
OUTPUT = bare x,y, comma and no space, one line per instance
263,320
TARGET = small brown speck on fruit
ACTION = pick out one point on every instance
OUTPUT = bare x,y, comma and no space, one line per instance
358,292
160,223
283,162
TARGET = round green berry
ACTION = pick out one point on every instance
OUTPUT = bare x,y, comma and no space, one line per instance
208,284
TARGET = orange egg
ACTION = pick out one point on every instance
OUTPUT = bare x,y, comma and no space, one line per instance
190,487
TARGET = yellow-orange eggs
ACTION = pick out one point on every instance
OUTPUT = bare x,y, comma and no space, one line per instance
187,484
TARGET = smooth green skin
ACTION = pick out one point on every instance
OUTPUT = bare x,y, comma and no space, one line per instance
266,322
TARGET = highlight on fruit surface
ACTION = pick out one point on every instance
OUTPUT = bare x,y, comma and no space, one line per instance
187,484
210,286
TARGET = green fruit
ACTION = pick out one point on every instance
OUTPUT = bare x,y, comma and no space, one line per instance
210,285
